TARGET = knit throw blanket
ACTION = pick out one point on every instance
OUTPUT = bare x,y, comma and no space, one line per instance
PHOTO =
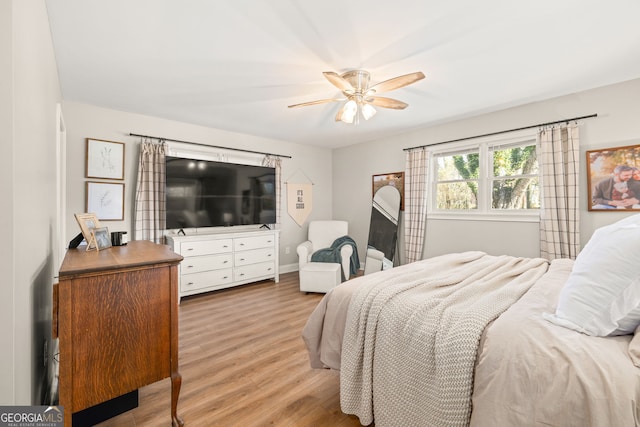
412,335
332,254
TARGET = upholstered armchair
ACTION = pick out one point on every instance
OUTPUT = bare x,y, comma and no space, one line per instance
321,235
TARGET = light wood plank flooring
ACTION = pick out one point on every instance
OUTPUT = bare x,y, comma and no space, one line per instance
243,363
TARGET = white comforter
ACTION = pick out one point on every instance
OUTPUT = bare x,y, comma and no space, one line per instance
528,373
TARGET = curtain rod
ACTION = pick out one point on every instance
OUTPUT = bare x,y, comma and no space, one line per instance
207,145
504,131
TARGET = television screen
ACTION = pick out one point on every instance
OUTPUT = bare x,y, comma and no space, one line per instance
204,193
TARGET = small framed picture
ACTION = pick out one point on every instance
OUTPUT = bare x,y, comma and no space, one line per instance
88,222
105,159
613,179
102,238
395,179
106,199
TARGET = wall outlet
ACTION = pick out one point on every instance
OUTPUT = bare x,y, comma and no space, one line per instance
287,250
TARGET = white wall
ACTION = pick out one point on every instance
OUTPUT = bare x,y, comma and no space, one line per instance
30,83
7,313
617,124
86,121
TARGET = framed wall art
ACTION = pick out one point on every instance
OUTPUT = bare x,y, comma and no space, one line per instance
395,179
106,199
105,159
613,179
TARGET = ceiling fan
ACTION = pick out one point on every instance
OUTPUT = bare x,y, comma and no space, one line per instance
360,96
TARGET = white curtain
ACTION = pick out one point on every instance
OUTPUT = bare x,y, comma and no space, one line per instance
559,213
415,203
150,205
275,162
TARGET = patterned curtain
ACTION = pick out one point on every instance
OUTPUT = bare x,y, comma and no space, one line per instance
275,162
150,209
415,203
559,213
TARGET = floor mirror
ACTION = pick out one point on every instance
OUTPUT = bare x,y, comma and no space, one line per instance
383,229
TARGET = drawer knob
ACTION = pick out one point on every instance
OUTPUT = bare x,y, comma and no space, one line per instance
190,283
225,261
189,266
241,259
189,249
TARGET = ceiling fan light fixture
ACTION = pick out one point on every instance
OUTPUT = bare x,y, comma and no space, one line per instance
361,97
368,111
349,111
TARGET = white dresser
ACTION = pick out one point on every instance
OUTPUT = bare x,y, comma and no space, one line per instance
224,259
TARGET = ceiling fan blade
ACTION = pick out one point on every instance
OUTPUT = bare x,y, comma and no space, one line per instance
320,101
339,114
338,81
380,101
396,82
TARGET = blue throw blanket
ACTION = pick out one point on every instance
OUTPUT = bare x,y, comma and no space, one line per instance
332,254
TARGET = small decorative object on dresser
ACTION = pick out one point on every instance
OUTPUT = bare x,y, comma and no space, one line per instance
223,259
101,237
88,222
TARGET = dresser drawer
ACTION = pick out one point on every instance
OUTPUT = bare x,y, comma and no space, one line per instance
208,247
254,256
255,242
189,282
251,271
197,264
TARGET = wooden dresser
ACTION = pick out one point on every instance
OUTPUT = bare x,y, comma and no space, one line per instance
116,314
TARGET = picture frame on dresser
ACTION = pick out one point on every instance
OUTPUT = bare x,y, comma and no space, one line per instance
88,222
101,237
104,159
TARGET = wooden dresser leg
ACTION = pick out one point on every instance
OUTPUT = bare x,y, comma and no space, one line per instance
176,383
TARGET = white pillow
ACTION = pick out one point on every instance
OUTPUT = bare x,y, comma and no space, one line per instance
602,295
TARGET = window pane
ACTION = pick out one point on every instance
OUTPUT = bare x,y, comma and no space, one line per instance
521,193
457,195
459,166
515,161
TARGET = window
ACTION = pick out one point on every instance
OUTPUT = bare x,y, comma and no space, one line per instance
489,178
457,180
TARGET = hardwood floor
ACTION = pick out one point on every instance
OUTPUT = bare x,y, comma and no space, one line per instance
243,363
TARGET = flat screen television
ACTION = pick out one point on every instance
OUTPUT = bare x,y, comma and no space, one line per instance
204,193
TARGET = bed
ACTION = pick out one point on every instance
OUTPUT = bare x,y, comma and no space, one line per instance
481,340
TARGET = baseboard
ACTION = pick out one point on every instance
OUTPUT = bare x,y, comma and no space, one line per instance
288,268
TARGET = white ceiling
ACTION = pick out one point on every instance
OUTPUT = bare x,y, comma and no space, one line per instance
237,64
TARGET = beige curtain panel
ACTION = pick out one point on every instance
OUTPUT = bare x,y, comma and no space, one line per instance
559,214
150,205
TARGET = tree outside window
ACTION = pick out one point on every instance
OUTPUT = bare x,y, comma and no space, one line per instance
489,178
